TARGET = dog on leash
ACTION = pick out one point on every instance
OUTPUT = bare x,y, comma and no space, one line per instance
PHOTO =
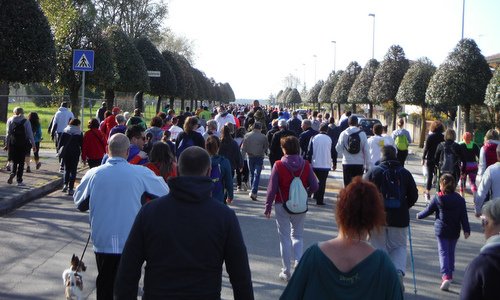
73,279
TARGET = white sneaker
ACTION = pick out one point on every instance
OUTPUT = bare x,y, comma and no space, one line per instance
284,276
445,285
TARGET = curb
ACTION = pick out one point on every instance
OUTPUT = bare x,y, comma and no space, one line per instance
9,205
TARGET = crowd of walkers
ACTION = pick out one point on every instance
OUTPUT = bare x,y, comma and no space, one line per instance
184,159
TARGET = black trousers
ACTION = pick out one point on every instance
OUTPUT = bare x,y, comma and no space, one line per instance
322,175
401,156
351,171
17,155
94,163
70,168
107,266
242,176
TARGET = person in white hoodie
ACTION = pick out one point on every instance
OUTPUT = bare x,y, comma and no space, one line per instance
60,121
355,155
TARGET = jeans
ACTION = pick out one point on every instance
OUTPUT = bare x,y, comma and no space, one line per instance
107,267
290,231
446,248
351,171
392,240
255,165
322,175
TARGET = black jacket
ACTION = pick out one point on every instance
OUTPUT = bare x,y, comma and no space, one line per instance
431,143
304,139
481,276
457,152
232,152
295,125
275,152
396,217
185,237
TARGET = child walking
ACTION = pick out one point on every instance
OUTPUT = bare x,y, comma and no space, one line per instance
451,216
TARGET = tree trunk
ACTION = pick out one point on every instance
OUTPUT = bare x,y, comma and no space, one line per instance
353,108
172,99
339,113
75,101
370,110
468,127
423,129
497,120
158,104
4,101
331,108
319,107
109,94
182,104
394,114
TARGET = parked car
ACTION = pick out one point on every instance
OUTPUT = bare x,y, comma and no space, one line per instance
302,113
367,125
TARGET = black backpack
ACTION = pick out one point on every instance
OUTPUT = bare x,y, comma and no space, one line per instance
449,160
18,134
391,187
354,142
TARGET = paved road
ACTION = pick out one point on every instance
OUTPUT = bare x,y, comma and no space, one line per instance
39,239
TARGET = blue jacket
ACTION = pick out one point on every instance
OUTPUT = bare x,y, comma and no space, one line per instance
112,192
451,214
226,177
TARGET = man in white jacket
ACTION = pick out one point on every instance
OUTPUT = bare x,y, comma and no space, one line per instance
490,183
353,146
320,156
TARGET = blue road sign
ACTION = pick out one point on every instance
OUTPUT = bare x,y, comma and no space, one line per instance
83,60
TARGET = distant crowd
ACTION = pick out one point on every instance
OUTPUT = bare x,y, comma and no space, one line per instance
181,171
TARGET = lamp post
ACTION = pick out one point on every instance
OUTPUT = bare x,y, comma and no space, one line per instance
373,37
459,111
315,60
304,81
334,55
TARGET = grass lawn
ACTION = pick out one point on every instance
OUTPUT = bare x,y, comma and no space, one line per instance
46,114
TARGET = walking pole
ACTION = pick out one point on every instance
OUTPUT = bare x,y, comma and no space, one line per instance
412,261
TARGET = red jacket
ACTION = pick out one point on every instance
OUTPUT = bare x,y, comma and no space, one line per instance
108,124
94,145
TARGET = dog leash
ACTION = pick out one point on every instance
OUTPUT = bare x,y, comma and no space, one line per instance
84,249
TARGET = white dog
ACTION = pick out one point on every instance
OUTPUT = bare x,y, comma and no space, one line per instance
73,279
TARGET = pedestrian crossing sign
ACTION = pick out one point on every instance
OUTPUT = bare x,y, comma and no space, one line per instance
83,60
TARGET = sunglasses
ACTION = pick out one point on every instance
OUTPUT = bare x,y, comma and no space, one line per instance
484,221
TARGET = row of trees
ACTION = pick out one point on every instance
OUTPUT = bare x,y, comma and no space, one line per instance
462,79
38,40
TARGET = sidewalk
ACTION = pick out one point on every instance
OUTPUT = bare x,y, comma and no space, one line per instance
38,183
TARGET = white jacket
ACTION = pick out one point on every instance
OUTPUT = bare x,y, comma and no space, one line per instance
490,182
360,158
61,119
321,147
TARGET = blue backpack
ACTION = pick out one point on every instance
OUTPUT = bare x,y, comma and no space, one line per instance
216,175
391,187
183,145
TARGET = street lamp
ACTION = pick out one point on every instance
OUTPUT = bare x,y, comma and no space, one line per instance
373,39
459,111
315,60
334,55
304,65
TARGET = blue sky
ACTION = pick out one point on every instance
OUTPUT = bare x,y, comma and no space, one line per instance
255,44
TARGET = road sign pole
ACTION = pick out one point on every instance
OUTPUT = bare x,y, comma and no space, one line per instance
83,97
